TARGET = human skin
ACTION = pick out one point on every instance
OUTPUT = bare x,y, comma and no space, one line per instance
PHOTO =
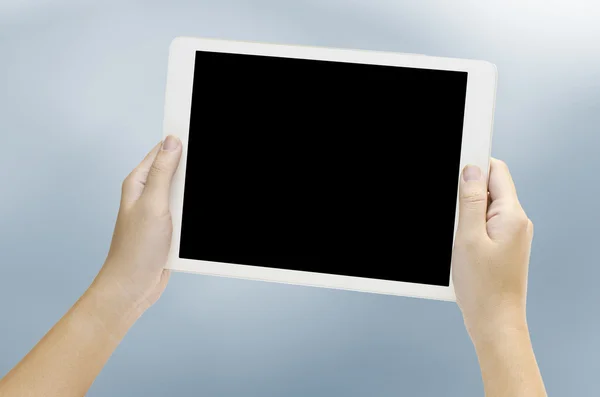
69,357
490,261
490,269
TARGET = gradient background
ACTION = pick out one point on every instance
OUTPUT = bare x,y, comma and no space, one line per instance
81,102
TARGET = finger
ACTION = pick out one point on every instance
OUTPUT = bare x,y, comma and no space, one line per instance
501,185
133,185
158,183
473,200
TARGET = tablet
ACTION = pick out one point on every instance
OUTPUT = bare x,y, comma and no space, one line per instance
323,167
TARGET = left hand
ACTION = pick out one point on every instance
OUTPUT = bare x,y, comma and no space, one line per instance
134,268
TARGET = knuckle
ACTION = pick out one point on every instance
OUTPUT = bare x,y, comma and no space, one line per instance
474,197
128,181
125,183
157,168
134,177
520,220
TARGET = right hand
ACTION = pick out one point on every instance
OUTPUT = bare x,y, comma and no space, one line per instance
491,252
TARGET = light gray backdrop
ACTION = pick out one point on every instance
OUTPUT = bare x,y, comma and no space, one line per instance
81,101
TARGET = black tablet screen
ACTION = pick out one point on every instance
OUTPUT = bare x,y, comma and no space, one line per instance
326,167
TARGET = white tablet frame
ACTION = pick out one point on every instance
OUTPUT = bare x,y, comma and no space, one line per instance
476,147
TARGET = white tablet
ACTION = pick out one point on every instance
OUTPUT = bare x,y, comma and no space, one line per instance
323,167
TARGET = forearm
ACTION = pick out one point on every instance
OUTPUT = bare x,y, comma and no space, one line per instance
70,356
508,364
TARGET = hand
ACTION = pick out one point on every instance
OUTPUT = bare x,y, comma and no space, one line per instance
134,269
491,252
70,356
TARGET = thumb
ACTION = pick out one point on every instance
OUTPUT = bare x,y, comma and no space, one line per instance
158,183
472,202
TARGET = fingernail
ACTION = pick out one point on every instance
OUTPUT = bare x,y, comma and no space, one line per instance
170,143
471,173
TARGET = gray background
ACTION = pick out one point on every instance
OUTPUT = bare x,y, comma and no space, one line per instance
81,101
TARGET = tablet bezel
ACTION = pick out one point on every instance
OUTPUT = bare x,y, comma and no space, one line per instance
476,147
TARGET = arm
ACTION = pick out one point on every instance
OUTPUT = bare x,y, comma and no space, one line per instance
69,357
490,268
508,365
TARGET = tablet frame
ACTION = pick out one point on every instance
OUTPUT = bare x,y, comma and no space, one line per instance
476,148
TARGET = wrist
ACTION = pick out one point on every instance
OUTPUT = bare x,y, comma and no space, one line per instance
502,323
111,309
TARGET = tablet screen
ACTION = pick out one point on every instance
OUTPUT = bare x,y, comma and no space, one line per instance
327,167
